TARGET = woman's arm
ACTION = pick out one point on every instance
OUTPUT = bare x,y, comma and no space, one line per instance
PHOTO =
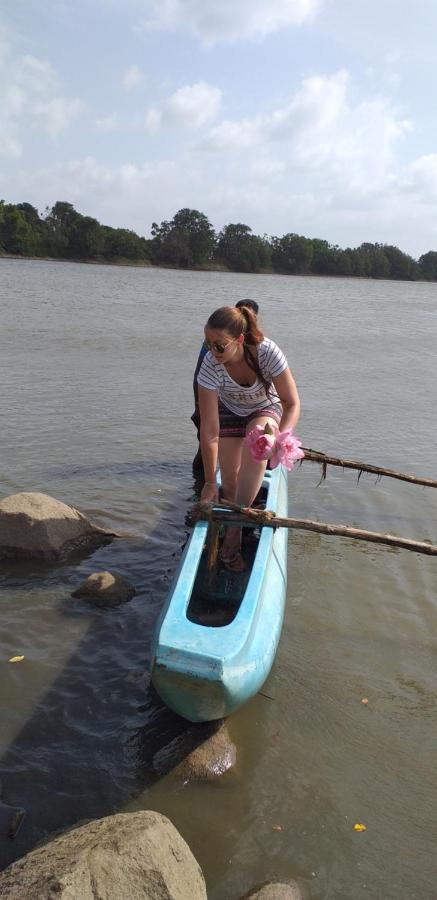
209,437
289,397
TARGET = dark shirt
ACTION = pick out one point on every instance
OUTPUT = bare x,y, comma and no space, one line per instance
203,350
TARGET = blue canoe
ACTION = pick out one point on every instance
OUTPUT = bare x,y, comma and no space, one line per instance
217,635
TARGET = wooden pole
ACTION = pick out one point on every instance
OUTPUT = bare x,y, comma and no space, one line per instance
232,513
325,460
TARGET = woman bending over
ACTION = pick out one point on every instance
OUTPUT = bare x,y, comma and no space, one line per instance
244,380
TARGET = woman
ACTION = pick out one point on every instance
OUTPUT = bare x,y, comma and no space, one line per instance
244,380
195,418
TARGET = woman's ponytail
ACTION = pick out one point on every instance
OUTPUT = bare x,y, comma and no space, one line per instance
253,336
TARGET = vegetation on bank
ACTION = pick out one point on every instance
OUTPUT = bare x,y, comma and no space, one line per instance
189,241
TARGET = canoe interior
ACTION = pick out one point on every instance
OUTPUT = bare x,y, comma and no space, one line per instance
217,595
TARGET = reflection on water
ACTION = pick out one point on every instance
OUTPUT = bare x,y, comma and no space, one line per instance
95,411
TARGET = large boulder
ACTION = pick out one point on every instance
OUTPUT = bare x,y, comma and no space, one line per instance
36,525
105,589
131,855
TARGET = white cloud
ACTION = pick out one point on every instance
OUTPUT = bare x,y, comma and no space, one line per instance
56,114
35,75
132,77
128,195
9,145
27,95
240,135
420,179
190,106
193,105
153,119
322,133
5,47
227,20
107,123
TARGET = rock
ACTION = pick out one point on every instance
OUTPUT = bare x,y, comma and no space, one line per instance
105,589
210,760
36,525
135,855
275,890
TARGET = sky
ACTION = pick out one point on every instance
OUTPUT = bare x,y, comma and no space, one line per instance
316,117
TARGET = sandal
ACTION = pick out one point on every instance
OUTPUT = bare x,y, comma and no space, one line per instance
233,561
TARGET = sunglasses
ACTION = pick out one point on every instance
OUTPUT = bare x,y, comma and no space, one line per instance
217,347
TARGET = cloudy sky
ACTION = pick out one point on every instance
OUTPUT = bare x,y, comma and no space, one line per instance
311,116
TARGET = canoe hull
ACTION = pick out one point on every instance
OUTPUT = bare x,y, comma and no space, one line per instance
205,673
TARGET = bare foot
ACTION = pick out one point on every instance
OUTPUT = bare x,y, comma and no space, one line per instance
233,559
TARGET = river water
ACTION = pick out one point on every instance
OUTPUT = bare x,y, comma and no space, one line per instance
96,365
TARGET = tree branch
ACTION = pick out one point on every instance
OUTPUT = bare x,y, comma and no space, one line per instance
318,456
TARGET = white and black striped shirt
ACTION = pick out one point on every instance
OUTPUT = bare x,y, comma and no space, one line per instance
239,399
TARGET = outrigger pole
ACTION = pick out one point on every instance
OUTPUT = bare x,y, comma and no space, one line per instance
325,460
233,514
247,516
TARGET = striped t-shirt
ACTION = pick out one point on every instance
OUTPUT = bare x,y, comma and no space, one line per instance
239,399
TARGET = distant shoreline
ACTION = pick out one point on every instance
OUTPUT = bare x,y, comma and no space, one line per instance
212,267
123,261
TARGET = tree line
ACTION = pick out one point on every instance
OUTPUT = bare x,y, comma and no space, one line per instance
188,240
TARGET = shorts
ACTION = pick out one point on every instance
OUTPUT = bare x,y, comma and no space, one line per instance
232,425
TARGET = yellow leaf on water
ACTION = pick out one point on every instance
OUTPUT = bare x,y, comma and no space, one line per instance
359,826
16,659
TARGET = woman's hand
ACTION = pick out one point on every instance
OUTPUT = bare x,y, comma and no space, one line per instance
210,492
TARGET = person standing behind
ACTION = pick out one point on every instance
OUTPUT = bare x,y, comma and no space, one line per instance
195,418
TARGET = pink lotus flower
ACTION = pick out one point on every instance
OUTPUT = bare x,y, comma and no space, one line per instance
280,447
260,442
287,450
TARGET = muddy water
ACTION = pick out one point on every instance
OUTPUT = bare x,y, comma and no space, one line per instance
95,368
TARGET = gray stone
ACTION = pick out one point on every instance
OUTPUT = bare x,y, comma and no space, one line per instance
105,589
210,760
275,890
34,525
131,855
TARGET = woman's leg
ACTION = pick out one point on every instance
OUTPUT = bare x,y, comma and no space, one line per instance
251,472
230,450
249,479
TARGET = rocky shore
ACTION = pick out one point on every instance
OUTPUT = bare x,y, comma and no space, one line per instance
131,855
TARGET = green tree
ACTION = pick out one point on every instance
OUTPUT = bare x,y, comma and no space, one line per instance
86,237
323,260
401,265
59,221
38,226
361,264
120,242
292,253
2,213
16,235
377,262
187,240
428,265
241,250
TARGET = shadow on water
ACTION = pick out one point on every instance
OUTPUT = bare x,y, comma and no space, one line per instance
88,747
